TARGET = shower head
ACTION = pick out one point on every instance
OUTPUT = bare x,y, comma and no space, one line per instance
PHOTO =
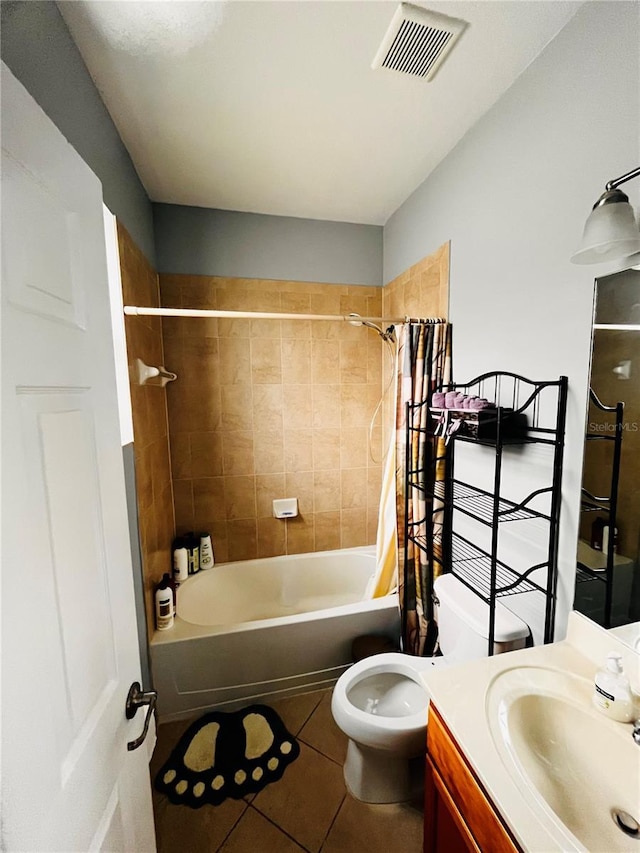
358,322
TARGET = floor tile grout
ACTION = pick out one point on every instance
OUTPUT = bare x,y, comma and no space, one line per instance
320,752
335,818
239,818
278,827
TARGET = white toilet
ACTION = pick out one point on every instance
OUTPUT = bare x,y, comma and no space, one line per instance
381,703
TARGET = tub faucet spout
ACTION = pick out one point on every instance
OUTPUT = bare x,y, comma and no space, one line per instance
636,732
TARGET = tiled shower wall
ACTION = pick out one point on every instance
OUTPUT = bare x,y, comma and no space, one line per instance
149,407
420,291
266,409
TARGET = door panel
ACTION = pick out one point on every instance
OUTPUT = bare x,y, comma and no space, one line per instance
69,636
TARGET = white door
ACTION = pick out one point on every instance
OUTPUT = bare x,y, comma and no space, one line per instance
69,645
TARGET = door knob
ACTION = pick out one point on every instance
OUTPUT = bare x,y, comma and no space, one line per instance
136,698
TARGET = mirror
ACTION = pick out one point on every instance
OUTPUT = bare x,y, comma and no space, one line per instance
608,572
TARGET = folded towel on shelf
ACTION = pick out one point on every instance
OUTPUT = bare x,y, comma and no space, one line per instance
438,399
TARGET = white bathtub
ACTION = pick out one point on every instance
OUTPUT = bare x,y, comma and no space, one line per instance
265,629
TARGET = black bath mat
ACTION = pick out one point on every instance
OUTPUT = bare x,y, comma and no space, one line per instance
227,754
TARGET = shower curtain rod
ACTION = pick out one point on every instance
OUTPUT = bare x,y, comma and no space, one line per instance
134,310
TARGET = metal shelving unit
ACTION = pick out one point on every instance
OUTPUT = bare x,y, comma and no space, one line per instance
606,505
539,411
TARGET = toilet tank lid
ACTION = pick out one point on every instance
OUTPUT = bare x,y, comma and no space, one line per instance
475,612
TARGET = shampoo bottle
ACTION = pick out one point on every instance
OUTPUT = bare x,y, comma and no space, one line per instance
206,551
180,561
612,693
164,605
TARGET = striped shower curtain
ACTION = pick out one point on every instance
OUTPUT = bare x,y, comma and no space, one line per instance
423,363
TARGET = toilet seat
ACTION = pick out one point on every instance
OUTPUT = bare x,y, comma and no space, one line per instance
376,730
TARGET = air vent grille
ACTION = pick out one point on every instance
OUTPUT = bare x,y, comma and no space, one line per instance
417,41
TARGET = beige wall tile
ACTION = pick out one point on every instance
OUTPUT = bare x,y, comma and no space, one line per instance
296,406
326,491
269,487
183,505
267,408
354,447
240,497
325,362
236,403
354,405
235,361
268,452
354,488
296,362
300,329
242,539
326,449
208,499
237,453
206,453
353,362
300,485
285,412
272,537
266,361
354,528
298,450
327,531
326,404
300,534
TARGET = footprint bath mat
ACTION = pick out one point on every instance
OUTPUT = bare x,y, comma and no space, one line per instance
227,754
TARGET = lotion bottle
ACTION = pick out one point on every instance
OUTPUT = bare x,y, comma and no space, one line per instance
612,693
180,561
206,551
164,605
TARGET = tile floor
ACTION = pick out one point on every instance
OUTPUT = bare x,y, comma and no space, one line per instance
308,809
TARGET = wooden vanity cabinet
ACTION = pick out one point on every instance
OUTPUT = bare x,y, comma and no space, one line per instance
458,815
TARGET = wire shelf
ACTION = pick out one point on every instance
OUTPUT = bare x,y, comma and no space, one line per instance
473,565
479,504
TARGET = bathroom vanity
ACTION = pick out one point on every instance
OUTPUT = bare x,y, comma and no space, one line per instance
518,759
459,816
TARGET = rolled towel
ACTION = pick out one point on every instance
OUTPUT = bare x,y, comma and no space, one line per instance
480,403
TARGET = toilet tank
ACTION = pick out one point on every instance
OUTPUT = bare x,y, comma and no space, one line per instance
463,623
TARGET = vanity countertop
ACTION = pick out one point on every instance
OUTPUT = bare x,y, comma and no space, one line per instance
461,695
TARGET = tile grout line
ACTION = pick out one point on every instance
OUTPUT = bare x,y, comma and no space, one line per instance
279,828
319,752
235,824
335,818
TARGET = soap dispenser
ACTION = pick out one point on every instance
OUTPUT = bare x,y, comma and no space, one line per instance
612,692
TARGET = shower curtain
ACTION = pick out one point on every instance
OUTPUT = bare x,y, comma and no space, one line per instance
423,364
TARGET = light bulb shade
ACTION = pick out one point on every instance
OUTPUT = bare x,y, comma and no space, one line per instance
610,232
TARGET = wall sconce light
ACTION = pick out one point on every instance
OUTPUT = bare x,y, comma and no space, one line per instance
611,231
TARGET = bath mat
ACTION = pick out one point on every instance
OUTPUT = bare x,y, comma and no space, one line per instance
227,754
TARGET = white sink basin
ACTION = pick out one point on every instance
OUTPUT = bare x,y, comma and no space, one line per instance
574,765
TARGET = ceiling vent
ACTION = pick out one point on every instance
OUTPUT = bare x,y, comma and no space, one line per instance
417,41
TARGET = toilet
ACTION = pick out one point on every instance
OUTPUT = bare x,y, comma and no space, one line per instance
381,703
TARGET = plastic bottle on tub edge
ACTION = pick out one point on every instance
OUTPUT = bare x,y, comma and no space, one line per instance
206,551
180,560
164,604
192,544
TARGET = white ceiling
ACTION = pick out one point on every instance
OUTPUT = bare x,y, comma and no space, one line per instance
272,107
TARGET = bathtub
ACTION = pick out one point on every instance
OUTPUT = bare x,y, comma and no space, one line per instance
265,629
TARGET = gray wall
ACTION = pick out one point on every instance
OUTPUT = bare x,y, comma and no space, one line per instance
512,197
201,241
37,47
